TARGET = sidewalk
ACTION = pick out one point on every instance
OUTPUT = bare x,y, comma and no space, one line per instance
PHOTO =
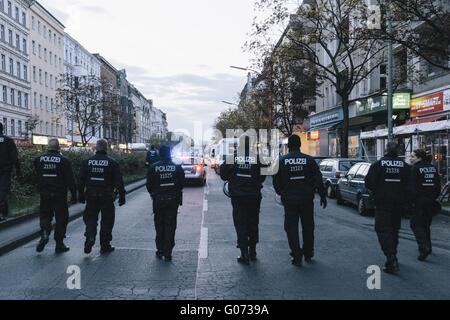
22,231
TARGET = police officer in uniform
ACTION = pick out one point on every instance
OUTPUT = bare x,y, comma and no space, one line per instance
297,179
100,179
425,188
8,159
244,185
152,156
55,178
387,179
165,182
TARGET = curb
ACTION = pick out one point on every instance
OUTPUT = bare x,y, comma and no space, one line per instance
24,239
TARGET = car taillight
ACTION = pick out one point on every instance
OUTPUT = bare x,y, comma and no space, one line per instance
338,175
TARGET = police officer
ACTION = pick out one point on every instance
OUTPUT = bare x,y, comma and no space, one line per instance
165,184
297,179
8,159
387,179
152,156
244,184
100,179
425,188
55,178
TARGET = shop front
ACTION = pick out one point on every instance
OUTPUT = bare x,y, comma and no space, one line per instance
322,132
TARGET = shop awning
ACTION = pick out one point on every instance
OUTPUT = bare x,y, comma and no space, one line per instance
328,126
427,119
409,129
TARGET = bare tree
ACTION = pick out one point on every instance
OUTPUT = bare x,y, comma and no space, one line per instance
332,36
88,102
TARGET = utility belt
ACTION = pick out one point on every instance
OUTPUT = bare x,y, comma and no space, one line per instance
166,197
53,194
100,193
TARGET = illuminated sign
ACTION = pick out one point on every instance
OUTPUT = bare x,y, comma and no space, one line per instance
314,135
40,140
432,103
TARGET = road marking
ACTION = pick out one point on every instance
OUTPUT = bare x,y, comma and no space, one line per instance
203,250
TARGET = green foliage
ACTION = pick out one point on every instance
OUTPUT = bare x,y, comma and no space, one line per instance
25,186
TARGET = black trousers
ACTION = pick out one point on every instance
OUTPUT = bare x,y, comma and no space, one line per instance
388,221
293,215
166,214
246,220
5,188
421,225
95,205
54,205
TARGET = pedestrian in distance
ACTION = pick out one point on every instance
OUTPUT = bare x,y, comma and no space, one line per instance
424,189
387,179
99,182
165,182
8,159
245,182
55,179
296,181
152,156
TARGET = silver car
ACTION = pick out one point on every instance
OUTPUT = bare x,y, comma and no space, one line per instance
332,170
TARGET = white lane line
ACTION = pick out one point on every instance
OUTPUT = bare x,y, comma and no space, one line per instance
203,245
203,250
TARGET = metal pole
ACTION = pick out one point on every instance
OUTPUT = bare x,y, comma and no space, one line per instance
390,75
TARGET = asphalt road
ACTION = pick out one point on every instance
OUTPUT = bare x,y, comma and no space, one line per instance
204,264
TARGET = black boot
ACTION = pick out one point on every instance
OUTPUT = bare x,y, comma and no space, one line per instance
90,242
252,253
297,259
61,247
43,242
244,258
159,255
106,249
423,255
391,265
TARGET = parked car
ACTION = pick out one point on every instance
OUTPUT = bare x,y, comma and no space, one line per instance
352,188
332,170
194,169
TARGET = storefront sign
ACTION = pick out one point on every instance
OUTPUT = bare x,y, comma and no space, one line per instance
401,101
371,105
326,118
40,140
314,135
433,103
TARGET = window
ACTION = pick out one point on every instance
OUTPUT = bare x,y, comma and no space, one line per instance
2,32
10,37
2,5
54,38
40,76
46,79
39,27
33,44
9,8
33,23
11,66
51,81
46,103
41,100
24,19
35,100
5,125
17,42
3,62
19,99
353,171
34,73
24,45
5,95
18,69
17,13
19,127
45,54
12,96
40,51
51,57
13,128
51,104
50,35
45,32
25,100
25,73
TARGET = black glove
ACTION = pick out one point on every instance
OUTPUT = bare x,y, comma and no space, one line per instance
323,202
122,200
81,198
73,199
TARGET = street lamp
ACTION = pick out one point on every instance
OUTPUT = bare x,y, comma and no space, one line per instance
230,103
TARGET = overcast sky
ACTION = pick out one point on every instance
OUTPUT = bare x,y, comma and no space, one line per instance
176,52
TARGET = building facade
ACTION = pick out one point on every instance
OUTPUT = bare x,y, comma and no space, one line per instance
46,67
15,107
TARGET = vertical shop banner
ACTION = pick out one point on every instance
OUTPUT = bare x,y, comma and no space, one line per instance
428,104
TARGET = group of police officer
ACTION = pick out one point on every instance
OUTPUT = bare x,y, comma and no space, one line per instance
395,187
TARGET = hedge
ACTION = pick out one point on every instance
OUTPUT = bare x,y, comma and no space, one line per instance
24,186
